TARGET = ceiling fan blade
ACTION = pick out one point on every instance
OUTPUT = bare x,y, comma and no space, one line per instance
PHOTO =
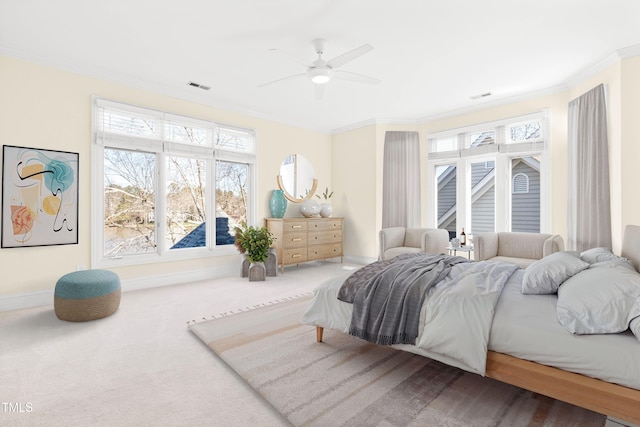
355,77
349,56
289,56
319,91
295,76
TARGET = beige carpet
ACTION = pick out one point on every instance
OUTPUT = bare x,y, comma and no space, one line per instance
346,381
140,366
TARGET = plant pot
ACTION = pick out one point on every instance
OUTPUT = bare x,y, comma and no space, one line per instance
257,272
271,264
245,267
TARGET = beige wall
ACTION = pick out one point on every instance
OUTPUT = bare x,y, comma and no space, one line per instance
630,136
622,81
43,107
354,178
47,108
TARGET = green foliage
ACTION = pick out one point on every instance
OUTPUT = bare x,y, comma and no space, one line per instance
254,242
326,195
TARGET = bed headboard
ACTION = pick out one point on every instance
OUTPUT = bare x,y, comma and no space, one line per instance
631,245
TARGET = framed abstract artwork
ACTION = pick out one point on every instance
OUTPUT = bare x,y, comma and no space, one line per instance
39,197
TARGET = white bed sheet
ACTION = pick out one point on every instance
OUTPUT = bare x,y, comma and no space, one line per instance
524,326
327,311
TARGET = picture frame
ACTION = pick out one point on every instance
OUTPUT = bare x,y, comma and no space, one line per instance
39,197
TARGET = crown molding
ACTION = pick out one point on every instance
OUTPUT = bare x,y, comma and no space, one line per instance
493,104
208,100
629,51
374,122
603,64
202,98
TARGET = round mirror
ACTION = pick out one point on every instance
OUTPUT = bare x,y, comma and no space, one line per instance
297,178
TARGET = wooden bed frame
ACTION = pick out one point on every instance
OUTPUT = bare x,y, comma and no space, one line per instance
596,395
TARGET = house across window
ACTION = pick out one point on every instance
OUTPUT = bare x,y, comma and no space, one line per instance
520,183
491,179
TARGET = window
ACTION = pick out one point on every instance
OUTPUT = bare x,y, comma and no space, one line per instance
446,192
492,179
166,187
520,183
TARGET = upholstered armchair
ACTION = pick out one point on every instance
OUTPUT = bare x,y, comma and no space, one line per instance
516,248
395,241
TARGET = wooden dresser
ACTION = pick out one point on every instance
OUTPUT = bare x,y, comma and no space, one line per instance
306,239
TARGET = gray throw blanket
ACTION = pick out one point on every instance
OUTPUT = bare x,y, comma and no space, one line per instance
386,305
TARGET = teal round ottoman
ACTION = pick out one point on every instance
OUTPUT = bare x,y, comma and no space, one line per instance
86,295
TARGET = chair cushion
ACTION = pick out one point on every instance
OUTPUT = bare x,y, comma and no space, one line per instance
390,253
522,245
413,237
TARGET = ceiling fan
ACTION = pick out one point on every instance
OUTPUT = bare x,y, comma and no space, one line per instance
322,71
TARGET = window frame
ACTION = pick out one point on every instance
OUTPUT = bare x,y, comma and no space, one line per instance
163,148
502,152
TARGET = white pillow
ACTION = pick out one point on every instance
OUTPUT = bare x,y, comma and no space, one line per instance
599,300
547,274
597,255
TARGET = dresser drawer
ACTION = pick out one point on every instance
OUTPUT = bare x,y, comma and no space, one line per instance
325,224
294,256
294,226
325,251
294,240
322,237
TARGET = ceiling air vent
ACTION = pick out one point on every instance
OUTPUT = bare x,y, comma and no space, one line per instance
482,95
199,86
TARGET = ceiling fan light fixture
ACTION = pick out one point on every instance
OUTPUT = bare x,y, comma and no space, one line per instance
319,75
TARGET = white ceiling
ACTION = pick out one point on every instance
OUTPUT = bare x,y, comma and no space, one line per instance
431,56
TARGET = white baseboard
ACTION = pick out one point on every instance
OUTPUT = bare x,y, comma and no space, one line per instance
38,299
19,301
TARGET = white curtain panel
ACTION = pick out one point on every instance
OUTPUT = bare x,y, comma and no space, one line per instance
401,180
589,208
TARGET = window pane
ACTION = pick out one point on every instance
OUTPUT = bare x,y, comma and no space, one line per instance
446,198
525,132
445,144
231,199
483,196
186,208
525,197
129,202
128,124
482,138
186,134
229,139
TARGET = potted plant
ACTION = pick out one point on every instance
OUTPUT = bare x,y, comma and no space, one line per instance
254,243
325,208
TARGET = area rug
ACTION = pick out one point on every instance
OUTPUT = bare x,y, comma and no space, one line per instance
345,381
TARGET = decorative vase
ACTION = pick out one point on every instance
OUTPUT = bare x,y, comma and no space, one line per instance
325,210
257,272
309,208
277,204
245,267
271,264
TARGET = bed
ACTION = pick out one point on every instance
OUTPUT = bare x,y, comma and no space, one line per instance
526,344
